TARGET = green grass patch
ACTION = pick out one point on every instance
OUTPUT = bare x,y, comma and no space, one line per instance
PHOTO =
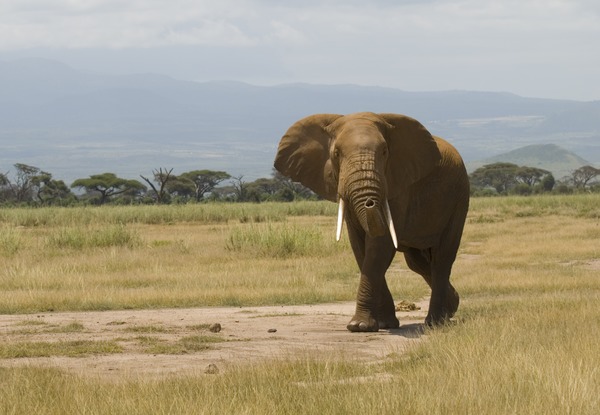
73,327
76,348
84,238
187,344
40,327
30,322
148,329
199,327
279,240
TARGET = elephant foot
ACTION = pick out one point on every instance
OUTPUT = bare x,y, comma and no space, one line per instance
431,321
437,315
389,323
452,301
358,324
437,319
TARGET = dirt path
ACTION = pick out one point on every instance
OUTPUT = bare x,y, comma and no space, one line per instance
247,334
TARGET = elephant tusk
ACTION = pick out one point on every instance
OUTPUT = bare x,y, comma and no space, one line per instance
340,220
388,217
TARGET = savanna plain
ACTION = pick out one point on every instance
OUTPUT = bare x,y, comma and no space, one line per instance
524,340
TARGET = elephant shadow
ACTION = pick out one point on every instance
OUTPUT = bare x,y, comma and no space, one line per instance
410,331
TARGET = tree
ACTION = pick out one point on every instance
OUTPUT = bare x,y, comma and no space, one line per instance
262,189
548,183
290,190
204,181
583,176
530,175
240,188
4,179
32,184
108,185
162,178
501,176
50,191
23,186
181,187
5,190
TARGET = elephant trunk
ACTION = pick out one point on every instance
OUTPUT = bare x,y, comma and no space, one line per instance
374,223
363,188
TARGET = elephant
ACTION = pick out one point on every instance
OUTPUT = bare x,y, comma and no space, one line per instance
399,189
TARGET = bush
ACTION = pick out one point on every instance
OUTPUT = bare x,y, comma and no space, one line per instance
522,189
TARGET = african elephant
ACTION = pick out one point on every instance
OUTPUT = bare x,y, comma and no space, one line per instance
399,189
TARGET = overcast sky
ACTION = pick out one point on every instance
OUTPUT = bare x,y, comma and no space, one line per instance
537,48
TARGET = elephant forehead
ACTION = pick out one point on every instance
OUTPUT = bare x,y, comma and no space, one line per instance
359,135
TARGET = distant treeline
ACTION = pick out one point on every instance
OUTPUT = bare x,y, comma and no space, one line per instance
31,186
508,178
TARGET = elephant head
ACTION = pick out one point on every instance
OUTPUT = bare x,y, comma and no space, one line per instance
361,160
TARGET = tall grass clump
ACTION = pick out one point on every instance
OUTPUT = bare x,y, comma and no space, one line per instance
278,240
88,237
10,241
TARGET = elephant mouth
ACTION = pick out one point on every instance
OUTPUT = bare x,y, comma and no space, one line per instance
375,223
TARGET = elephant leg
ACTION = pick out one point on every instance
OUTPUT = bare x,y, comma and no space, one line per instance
374,301
387,310
444,298
440,284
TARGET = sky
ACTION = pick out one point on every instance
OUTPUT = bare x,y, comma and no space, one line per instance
533,48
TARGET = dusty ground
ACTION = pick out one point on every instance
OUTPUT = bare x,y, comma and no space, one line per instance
248,334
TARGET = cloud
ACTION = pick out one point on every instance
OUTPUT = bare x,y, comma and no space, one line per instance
247,23
118,24
526,46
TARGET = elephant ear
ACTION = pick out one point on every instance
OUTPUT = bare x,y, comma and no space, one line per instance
413,152
303,155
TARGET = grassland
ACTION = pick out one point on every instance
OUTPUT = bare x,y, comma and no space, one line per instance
525,339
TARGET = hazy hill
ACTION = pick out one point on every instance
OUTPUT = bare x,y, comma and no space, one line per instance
75,123
552,157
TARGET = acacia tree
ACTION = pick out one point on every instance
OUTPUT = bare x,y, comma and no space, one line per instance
584,175
162,178
32,184
181,187
204,181
290,190
108,185
23,186
508,177
5,190
50,191
278,187
531,175
500,176
240,188
262,189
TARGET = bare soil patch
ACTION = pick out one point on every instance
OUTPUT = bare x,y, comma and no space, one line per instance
247,334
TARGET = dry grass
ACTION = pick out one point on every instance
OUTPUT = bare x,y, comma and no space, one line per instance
107,267
525,338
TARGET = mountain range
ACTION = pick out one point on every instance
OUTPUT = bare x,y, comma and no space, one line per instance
75,123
